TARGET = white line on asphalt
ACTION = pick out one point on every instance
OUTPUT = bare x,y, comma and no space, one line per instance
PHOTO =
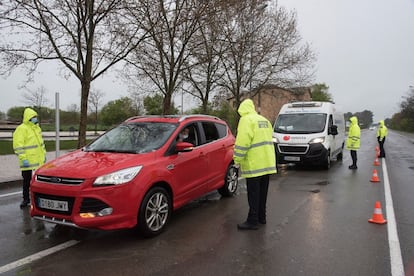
10,194
397,267
37,256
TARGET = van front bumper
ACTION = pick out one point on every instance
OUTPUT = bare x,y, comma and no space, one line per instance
300,153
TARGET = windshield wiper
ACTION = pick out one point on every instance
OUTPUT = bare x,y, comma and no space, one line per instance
279,130
114,150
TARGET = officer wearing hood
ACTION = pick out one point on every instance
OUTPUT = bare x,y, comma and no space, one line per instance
382,132
30,149
254,154
353,141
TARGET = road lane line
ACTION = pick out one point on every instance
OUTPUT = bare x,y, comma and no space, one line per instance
37,256
10,194
397,267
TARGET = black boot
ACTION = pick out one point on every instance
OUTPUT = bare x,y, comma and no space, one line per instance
247,226
24,203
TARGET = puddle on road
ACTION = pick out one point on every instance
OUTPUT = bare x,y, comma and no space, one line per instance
321,183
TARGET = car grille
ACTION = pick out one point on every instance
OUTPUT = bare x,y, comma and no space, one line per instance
59,180
70,201
92,205
293,149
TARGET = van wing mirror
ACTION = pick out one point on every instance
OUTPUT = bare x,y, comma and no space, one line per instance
333,130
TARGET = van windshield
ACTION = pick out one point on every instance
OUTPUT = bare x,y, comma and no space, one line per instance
300,123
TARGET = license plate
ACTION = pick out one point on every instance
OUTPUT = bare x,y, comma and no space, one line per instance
292,158
53,204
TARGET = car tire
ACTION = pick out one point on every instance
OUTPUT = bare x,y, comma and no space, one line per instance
231,182
155,212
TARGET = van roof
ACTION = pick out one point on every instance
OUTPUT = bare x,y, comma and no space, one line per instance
307,104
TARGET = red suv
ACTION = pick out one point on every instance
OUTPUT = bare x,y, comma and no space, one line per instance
136,174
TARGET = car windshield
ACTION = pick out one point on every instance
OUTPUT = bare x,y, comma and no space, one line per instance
300,123
133,138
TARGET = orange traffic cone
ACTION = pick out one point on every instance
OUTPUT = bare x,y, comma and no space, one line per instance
377,216
377,149
376,162
374,177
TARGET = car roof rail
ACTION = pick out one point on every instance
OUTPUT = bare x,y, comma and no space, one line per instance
184,117
151,116
181,117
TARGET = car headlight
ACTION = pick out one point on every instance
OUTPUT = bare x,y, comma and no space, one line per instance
317,140
119,177
275,140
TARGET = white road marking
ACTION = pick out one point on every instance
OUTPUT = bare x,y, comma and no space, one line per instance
397,267
37,256
10,194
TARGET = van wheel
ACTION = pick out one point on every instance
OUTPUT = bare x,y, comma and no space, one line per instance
327,162
154,213
231,182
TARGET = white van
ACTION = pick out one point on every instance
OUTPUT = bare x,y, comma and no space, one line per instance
309,133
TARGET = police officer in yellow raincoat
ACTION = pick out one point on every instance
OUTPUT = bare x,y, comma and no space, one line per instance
382,132
254,153
353,141
30,149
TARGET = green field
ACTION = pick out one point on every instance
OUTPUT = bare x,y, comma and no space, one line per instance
6,146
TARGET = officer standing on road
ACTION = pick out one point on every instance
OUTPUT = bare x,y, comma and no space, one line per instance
30,149
254,154
382,132
353,142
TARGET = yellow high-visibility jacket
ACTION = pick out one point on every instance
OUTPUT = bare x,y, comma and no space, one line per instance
28,142
382,131
353,142
254,150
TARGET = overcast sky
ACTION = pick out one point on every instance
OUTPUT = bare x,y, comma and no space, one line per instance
365,52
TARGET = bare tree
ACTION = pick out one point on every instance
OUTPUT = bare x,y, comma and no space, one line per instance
137,101
263,46
95,97
204,70
87,37
36,98
162,58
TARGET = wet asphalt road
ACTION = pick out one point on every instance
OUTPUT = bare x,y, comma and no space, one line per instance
317,225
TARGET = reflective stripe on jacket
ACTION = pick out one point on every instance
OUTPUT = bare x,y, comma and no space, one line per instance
28,142
353,141
382,131
254,150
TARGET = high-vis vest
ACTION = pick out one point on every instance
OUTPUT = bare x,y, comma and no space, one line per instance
28,142
382,131
254,150
354,134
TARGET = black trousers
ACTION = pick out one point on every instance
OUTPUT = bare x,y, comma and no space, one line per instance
381,146
257,188
27,176
354,157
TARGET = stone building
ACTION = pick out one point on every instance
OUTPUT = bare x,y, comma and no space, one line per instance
270,98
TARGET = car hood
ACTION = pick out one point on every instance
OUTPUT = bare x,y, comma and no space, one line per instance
82,164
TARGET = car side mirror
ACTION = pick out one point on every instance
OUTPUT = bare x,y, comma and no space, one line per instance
333,130
183,147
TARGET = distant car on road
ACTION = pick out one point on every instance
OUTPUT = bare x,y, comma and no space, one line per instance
372,128
136,174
